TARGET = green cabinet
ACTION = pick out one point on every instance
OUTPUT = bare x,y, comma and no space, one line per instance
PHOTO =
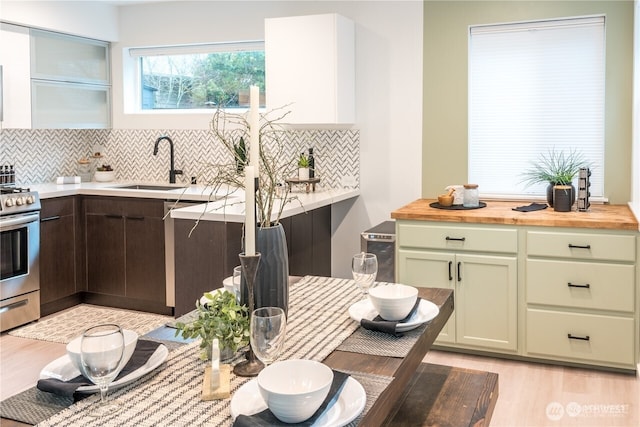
580,296
563,294
484,279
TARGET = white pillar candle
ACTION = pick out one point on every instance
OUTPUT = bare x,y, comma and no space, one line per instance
254,128
250,211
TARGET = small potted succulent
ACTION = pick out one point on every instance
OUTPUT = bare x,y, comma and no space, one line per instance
556,168
303,167
104,173
219,316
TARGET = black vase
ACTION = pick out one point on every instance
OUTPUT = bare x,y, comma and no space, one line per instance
272,283
572,194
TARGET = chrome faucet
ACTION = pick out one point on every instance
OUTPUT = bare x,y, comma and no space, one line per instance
172,171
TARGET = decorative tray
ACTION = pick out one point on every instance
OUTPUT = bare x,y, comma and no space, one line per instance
456,207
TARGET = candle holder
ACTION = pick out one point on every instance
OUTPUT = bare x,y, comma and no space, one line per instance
251,366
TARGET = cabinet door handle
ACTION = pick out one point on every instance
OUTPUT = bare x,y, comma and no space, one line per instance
459,273
571,246
457,239
137,218
116,216
576,337
450,273
586,285
50,218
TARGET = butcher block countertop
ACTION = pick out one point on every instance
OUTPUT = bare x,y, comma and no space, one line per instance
612,217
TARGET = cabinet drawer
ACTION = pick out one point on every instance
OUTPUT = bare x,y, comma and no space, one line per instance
458,238
606,339
124,206
57,207
581,284
582,245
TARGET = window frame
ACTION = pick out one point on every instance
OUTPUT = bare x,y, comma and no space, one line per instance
542,23
132,79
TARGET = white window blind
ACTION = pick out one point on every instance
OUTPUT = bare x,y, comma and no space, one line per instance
534,87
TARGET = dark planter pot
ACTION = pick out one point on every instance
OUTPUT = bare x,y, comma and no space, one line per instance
572,194
272,282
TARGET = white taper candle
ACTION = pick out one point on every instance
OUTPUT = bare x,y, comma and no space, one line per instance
254,128
250,211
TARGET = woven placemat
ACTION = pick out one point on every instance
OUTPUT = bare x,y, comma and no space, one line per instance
33,406
69,324
381,344
373,386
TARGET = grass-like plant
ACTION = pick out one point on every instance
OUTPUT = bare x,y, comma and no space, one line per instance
555,167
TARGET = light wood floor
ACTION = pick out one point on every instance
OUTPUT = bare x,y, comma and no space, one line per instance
578,397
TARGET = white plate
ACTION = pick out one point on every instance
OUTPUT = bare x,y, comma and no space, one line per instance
426,311
63,370
351,401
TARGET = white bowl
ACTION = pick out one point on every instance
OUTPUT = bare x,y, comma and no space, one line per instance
294,389
104,176
130,341
394,301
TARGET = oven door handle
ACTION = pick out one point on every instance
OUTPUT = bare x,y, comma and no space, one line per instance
11,222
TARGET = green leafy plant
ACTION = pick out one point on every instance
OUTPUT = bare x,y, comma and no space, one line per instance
555,167
220,317
303,161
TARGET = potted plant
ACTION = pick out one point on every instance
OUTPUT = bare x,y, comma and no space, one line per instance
556,168
221,317
303,167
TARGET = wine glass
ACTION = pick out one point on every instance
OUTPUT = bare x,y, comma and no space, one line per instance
101,350
364,267
268,329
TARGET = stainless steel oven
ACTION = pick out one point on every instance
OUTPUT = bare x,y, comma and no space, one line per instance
19,257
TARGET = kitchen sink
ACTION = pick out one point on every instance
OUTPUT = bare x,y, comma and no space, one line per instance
149,187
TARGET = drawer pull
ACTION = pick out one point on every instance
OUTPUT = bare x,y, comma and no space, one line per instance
575,337
571,246
50,218
585,286
113,216
450,265
457,239
459,274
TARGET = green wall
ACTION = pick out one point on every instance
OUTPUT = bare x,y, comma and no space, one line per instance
444,144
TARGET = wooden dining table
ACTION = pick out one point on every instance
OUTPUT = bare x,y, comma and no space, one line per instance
401,370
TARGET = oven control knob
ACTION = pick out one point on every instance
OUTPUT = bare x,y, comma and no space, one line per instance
9,202
20,201
30,200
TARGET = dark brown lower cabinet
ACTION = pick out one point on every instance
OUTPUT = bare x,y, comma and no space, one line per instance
207,255
60,253
125,253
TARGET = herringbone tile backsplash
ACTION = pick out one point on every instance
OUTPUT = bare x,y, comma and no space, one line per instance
42,155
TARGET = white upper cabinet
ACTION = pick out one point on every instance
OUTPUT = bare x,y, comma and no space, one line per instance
70,82
310,64
15,87
52,80
68,58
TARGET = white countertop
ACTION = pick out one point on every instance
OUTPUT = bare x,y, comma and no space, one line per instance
232,209
216,207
